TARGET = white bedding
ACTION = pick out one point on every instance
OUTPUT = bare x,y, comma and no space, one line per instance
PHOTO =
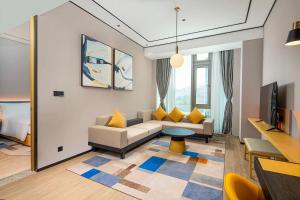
15,119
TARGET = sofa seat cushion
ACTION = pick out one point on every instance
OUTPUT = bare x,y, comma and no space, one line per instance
151,127
163,123
198,128
135,134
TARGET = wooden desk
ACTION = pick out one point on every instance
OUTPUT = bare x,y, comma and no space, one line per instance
286,144
278,180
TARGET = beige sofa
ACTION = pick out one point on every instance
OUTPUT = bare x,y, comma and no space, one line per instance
204,129
122,140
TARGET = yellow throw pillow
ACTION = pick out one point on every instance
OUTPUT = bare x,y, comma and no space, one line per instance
195,116
117,121
160,113
176,115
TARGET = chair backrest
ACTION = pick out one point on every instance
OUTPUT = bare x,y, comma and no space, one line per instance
239,188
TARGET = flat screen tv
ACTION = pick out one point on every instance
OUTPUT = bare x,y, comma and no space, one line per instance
269,104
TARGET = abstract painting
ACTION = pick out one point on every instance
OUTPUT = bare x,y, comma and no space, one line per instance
123,71
96,63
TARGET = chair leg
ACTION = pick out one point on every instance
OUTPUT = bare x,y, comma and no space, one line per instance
250,164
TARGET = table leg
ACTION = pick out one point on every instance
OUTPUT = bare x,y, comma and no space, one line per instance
177,145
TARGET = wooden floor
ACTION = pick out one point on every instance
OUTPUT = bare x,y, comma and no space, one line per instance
58,183
10,165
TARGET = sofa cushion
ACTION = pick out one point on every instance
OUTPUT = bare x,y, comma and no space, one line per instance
151,127
160,113
117,121
198,128
163,123
176,115
135,134
195,116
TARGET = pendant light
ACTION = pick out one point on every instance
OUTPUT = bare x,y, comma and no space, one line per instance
294,35
176,60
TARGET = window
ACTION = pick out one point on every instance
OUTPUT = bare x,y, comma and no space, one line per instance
189,85
182,79
201,81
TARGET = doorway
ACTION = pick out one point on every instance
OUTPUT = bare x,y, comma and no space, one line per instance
18,105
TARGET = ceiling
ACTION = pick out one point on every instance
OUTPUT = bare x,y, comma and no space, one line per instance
19,33
152,22
13,13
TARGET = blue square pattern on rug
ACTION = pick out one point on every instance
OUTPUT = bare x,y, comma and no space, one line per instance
161,143
190,153
200,192
90,173
153,163
209,157
97,161
177,169
105,179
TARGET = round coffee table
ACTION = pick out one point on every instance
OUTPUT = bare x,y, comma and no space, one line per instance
178,136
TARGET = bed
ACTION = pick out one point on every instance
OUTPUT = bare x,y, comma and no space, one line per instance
15,121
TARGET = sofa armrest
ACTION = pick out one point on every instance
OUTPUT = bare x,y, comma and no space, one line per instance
108,136
146,115
208,126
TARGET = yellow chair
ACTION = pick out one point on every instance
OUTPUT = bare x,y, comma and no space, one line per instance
239,188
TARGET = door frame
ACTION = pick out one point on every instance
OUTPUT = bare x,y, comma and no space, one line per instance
33,22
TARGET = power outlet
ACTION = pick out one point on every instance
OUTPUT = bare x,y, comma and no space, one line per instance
61,148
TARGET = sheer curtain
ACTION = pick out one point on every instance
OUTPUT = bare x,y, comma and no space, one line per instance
170,98
179,92
218,98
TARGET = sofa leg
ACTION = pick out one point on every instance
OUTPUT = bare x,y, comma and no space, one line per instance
206,140
122,156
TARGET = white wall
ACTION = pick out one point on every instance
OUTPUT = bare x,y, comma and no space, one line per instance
64,121
251,79
282,63
14,70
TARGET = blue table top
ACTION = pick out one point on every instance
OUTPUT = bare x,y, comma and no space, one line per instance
178,132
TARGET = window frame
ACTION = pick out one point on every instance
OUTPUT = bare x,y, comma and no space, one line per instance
195,65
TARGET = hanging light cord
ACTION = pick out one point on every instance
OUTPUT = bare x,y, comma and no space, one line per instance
176,9
176,24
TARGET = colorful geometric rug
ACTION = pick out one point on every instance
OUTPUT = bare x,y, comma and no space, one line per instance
12,148
152,172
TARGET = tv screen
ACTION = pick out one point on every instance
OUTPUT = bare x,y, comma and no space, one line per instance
268,103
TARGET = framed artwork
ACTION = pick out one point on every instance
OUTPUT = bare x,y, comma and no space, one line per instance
96,63
123,64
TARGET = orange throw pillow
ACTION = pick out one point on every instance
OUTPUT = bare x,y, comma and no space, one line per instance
195,116
160,113
117,121
176,115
